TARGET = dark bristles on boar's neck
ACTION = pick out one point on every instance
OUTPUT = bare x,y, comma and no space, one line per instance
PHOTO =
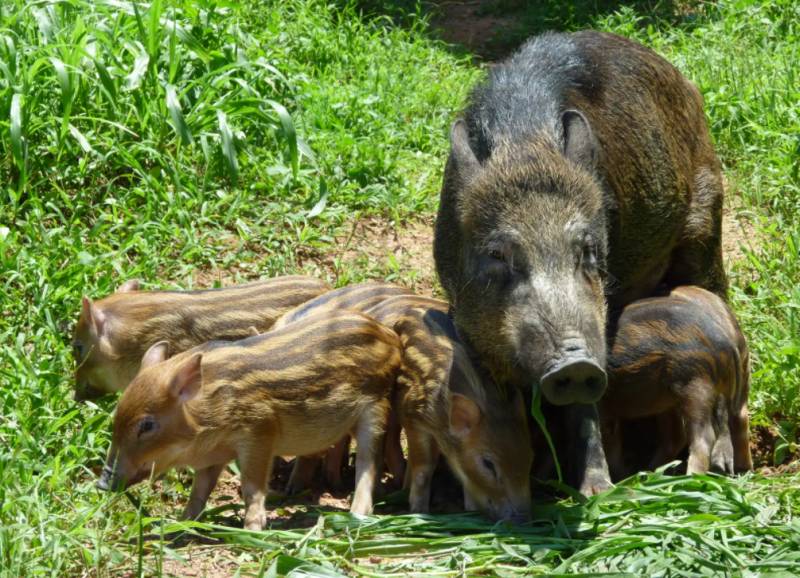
288,367
186,318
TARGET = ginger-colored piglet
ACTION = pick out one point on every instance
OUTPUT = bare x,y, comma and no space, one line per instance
682,358
291,391
113,334
358,297
448,405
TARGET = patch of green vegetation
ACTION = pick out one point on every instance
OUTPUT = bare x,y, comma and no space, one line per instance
166,139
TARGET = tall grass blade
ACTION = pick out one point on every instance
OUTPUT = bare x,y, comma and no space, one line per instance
17,143
178,121
228,146
288,132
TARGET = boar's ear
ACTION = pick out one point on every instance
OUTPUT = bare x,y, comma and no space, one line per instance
464,415
187,379
156,354
462,156
580,145
128,286
94,316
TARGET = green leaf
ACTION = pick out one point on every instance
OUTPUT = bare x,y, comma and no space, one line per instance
228,147
289,132
17,142
82,141
134,79
178,121
538,416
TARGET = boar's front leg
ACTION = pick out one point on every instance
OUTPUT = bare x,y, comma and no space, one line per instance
204,482
369,433
586,460
256,467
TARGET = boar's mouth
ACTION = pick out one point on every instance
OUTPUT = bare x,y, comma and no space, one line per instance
575,379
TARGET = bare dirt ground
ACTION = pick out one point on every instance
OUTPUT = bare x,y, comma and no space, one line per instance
470,24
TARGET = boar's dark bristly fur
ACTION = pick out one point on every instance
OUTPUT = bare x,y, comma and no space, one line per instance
581,177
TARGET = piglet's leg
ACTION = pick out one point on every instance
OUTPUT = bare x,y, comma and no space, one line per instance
422,456
204,482
302,474
671,438
393,450
369,444
334,461
699,426
722,452
256,467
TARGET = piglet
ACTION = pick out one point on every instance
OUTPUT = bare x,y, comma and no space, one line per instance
290,391
449,405
682,359
113,333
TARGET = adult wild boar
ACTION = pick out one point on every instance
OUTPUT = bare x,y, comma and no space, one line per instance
580,178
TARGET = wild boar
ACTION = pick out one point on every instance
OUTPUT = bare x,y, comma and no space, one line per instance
580,178
448,405
113,334
681,357
294,391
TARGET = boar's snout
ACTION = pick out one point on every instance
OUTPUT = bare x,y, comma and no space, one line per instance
574,380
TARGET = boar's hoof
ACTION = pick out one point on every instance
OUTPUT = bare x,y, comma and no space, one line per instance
574,381
595,483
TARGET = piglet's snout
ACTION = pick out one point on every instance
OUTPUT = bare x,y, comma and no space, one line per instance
105,482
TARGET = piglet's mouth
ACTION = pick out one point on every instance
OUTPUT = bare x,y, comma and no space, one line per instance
110,482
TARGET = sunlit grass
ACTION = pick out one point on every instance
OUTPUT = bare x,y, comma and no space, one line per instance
166,139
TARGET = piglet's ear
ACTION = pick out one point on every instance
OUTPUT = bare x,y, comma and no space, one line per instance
129,286
156,354
465,415
94,316
188,379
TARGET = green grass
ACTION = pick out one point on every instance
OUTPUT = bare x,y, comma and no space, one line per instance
173,140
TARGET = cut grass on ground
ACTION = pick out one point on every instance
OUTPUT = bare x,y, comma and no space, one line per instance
173,141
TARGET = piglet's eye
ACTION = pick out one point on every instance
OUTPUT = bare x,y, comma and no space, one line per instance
489,465
146,425
497,254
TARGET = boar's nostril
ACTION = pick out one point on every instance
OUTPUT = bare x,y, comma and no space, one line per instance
575,381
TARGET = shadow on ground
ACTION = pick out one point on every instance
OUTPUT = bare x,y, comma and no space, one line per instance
491,29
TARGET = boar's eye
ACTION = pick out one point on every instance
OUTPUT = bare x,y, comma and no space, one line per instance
488,464
590,255
146,425
497,254
77,351
587,254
